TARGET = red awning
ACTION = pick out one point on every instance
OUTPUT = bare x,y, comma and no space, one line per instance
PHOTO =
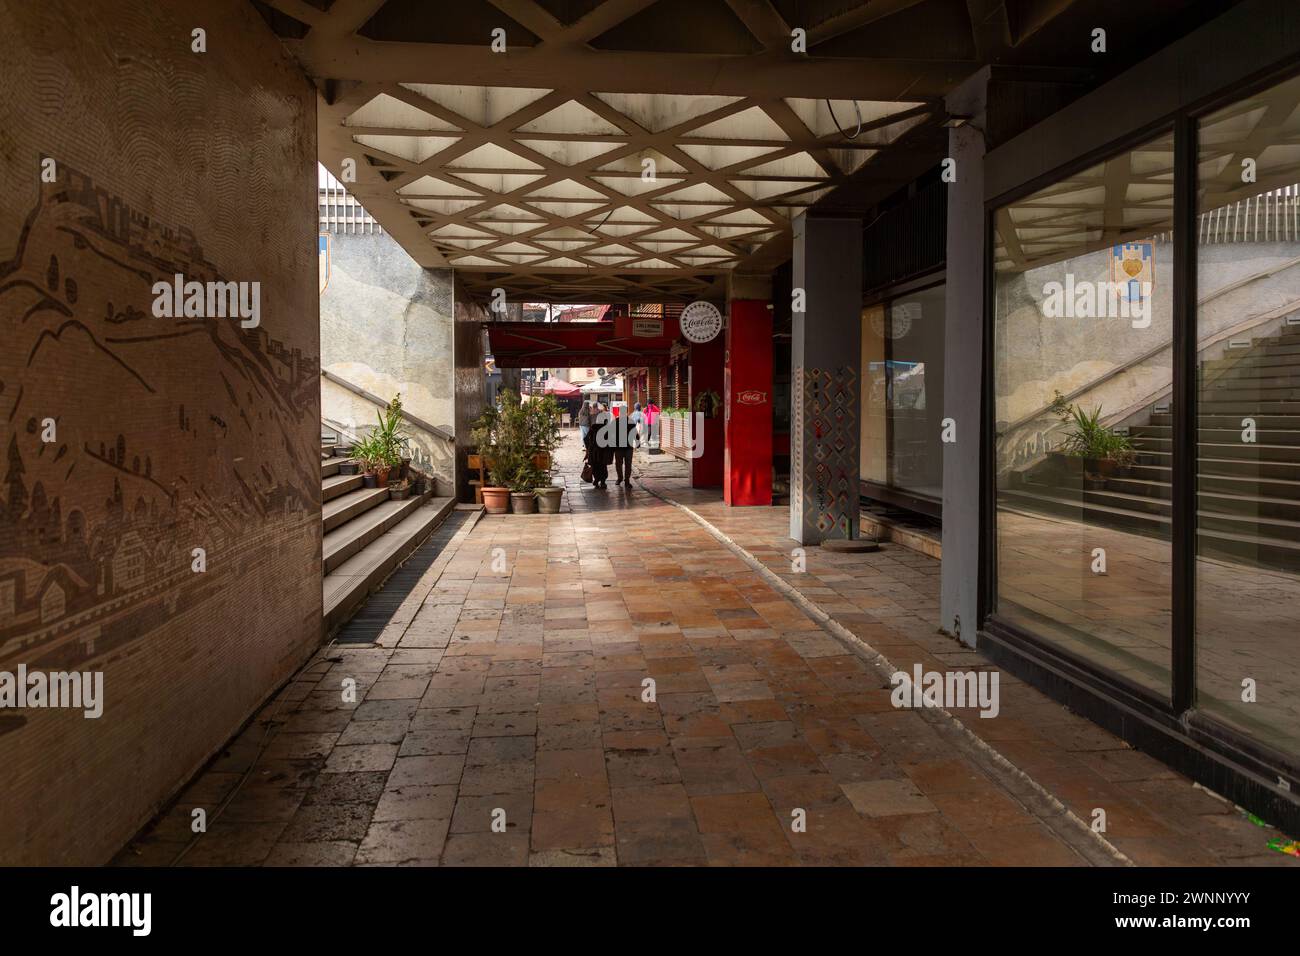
561,389
625,341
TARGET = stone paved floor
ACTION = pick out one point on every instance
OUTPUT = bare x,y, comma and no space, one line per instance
510,689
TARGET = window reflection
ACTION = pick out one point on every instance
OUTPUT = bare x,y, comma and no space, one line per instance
1083,373
903,343
1248,373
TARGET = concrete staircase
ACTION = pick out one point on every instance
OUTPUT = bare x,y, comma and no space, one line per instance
1248,494
366,535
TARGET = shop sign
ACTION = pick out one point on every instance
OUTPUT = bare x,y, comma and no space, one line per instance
701,322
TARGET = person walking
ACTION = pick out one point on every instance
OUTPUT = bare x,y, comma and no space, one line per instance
584,420
631,438
624,437
599,448
651,416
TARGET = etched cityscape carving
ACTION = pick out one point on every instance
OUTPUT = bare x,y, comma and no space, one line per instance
171,434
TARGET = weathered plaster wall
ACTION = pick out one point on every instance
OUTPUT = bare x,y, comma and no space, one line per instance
386,327
171,433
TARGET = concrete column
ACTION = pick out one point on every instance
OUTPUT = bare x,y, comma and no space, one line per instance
963,367
747,464
826,386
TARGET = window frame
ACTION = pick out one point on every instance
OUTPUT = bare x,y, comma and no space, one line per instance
1176,712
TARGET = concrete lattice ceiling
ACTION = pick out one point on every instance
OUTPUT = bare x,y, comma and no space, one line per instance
529,169
590,184
629,149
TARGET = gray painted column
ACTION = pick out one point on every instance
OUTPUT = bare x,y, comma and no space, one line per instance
963,348
826,380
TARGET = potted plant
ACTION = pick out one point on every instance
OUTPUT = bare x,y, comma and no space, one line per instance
1100,451
399,489
351,466
523,485
404,460
367,460
390,439
548,497
500,439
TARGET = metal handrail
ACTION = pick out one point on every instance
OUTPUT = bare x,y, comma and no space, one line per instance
372,397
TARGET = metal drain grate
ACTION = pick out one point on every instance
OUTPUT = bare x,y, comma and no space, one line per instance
366,625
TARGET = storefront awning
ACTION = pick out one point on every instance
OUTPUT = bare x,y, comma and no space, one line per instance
560,388
626,341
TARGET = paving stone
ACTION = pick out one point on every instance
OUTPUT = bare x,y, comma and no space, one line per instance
398,841
486,849
328,822
882,798
361,757
522,690
416,802
595,856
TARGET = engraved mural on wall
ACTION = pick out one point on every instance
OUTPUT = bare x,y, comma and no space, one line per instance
155,419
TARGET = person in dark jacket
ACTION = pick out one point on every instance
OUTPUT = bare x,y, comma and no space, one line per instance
626,439
599,445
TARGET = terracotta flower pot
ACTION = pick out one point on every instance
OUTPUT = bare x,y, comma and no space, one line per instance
496,501
381,476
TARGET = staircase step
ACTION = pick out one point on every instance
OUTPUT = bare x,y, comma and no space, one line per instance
330,466
337,485
1264,436
1211,420
1249,368
1217,535
351,536
1280,377
1154,482
1071,507
1250,486
1213,406
347,586
1280,348
1253,390
1246,468
1238,450
1250,360
1284,338
348,506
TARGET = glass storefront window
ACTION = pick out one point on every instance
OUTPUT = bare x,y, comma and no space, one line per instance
914,385
902,362
1248,416
1083,372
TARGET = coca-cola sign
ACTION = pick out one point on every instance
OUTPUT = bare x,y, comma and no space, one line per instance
751,396
701,322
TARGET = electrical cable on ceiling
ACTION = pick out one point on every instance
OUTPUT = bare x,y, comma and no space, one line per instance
602,223
857,109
